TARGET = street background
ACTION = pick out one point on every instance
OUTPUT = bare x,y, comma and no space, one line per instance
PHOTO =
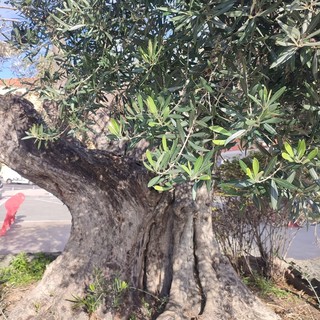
42,222
43,225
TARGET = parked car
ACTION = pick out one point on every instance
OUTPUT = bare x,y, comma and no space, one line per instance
10,176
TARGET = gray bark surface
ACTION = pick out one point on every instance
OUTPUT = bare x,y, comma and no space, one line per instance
161,244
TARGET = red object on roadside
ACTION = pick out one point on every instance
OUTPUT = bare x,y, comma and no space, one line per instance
293,224
12,205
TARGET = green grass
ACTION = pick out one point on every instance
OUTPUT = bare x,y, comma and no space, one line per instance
24,270
265,286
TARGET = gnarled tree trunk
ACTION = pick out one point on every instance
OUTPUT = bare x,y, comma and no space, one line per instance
160,244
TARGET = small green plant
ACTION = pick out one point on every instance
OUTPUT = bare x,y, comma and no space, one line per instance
265,286
24,270
94,295
101,290
119,288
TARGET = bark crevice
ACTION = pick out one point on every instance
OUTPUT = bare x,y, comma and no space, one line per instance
196,270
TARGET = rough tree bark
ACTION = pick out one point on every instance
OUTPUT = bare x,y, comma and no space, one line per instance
159,243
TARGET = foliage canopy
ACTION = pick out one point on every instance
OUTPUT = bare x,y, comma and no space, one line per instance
192,78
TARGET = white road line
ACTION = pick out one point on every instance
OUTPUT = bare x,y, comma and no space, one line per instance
45,221
56,202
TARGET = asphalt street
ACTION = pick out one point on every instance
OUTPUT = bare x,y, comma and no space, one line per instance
42,222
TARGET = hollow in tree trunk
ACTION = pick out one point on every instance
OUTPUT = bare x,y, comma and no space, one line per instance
161,244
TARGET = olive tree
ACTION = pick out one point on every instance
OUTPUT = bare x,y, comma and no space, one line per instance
140,98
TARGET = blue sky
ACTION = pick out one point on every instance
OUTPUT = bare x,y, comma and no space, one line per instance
5,68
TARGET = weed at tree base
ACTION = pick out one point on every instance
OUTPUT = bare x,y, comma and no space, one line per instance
23,270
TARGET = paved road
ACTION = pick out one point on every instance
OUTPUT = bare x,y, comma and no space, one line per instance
42,222
305,243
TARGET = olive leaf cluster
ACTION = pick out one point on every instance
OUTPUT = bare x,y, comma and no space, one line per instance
192,79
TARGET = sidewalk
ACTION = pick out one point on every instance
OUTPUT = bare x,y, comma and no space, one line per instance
35,237
27,192
42,223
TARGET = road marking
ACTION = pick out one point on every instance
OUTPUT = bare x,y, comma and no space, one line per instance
45,221
56,202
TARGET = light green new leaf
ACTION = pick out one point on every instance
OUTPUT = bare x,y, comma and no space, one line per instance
255,166
205,177
220,130
219,142
301,148
164,143
249,173
152,106
289,149
312,154
286,157
114,127
149,157
186,169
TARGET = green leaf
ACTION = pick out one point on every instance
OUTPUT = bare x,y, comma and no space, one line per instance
313,174
164,143
235,136
274,195
114,127
220,130
249,173
291,176
186,169
269,128
152,106
205,85
286,157
271,165
205,177
255,166
159,188
312,154
301,148
78,26
243,166
197,147
153,181
149,157
140,101
284,56
198,164
219,142
284,184
289,149
180,130
277,95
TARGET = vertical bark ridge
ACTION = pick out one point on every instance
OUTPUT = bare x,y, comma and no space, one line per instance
226,296
196,269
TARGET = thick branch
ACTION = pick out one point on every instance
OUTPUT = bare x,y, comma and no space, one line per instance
64,158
